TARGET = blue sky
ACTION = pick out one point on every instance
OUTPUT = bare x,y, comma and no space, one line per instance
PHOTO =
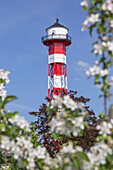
22,23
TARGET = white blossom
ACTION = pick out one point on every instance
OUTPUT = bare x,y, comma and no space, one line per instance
99,47
40,152
111,23
110,46
68,125
19,121
104,38
104,72
1,86
56,102
5,167
96,63
52,163
102,46
3,94
104,128
71,104
23,148
95,70
84,3
68,149
4,77
90,20
93,18
85,24
108,6
98,153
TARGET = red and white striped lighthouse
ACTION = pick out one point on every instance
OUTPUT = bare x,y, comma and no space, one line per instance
57,40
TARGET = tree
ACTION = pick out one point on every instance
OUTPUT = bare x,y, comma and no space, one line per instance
43,130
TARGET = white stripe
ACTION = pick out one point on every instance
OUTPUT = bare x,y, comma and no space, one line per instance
57,82
57,58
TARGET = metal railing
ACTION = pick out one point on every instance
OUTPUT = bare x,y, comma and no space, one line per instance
56,36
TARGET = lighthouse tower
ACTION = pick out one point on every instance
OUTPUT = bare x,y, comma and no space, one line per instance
57,40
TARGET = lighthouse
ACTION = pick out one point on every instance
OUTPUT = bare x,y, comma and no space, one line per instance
57,40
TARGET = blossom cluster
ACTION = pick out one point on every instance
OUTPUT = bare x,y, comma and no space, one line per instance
68,149
53,163
65,157
102,46
19,121
98,153
96,70
90,20
108,6
4,79
22,148
93,18
69,116
105,128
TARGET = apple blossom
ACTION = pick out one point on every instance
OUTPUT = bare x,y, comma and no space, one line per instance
111,23
94,18
104,72
104,128
84,3
110,46
108,6
19,121
90,20
111,79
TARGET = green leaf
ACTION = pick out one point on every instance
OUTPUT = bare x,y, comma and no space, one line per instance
82,155
76,162
8,99
40,164
86,125
9,115
91,30
81,133
75,143
91,10
25,163
55,136
101,138
84,9
105,87
102,60
2,81
1,126
96,79
93,2
12,129
101,115
1,105
110,158
101,28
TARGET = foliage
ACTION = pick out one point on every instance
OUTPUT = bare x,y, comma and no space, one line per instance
43,130
16,148
100,18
